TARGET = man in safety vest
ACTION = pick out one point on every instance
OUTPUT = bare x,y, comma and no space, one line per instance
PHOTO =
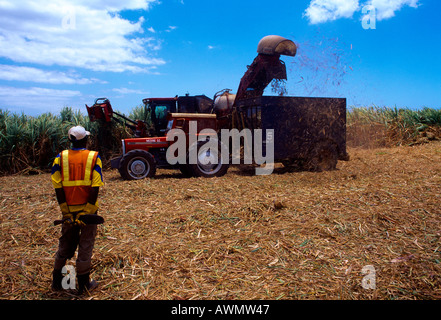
76,177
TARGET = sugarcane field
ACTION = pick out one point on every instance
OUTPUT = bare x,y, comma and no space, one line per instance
289,235
212,160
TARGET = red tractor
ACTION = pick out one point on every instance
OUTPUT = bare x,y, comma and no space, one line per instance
309,132
141,156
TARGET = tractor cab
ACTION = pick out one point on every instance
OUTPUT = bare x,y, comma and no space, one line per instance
141,156
160,108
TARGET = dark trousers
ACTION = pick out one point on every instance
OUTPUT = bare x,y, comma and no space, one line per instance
73,237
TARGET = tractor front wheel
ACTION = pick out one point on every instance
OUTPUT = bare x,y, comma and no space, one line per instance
137,165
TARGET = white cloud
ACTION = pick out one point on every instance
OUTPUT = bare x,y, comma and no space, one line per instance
171,28
36,91
28,74
117,5
320,11
87,34
386,8
129,91
35,98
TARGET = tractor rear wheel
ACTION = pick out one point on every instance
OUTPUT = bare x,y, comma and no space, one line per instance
209,161
137,165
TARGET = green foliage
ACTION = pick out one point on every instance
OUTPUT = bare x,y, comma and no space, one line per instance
139,113
405,117
401,125
32,143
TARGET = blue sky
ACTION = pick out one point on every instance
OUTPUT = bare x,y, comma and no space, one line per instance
57,53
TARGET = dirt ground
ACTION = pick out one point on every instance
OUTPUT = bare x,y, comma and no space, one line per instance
290,235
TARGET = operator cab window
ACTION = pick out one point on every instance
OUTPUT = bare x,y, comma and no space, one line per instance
161,112
159,117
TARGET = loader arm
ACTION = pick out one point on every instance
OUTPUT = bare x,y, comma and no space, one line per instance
102,110
266,66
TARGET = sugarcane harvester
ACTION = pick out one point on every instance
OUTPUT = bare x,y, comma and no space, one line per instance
265,68
309,133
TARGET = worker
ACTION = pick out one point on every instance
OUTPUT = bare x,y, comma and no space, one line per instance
76,177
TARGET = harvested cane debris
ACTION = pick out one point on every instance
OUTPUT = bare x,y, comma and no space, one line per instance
290,235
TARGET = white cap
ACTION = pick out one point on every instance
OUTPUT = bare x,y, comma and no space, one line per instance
78,132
